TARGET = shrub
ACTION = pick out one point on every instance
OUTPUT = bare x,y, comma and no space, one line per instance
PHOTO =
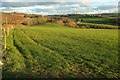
63,21
60,22
87,26
82,26
70,25
35,21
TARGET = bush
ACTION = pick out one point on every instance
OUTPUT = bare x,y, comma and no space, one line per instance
32,15
82,26
70,25
35,21
87,26
97,26
60,22
63,21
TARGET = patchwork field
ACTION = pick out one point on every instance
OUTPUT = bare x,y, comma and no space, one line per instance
100,26
54,51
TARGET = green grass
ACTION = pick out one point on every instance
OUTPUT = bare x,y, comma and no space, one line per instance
54,51
99,20
99,25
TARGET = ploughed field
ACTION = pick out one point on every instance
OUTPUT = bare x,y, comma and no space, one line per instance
54,51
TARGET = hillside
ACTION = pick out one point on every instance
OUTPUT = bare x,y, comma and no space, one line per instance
14,19
55,51
95,19
20,20
60,46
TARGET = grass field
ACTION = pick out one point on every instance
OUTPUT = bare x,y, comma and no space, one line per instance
104,19
91,25
54,51
98,19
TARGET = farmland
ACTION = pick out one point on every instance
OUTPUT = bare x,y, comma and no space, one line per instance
97,21
100,26
55,51
94,18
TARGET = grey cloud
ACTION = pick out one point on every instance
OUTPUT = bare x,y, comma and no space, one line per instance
49,8
106,7
25,4
44,10
61,0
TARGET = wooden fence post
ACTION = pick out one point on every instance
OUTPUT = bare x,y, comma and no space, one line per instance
7,31
12,26
4,39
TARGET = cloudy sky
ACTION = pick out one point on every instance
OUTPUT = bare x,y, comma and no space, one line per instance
52,7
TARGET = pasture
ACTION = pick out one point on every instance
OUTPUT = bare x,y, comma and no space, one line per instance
98,26
54,51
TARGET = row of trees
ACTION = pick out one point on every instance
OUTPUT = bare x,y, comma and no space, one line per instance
34,21
32,16
63,21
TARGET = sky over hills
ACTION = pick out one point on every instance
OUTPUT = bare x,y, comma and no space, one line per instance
47,7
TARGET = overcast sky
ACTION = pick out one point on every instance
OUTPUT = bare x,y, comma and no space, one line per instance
60,0
51,7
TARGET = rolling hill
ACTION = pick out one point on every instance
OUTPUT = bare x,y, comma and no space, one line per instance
55,51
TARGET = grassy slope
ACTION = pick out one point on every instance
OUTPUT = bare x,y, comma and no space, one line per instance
98,20
50,50
104,21
92,24
101,21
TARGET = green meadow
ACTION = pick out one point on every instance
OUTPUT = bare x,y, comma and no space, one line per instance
54,51
93,25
